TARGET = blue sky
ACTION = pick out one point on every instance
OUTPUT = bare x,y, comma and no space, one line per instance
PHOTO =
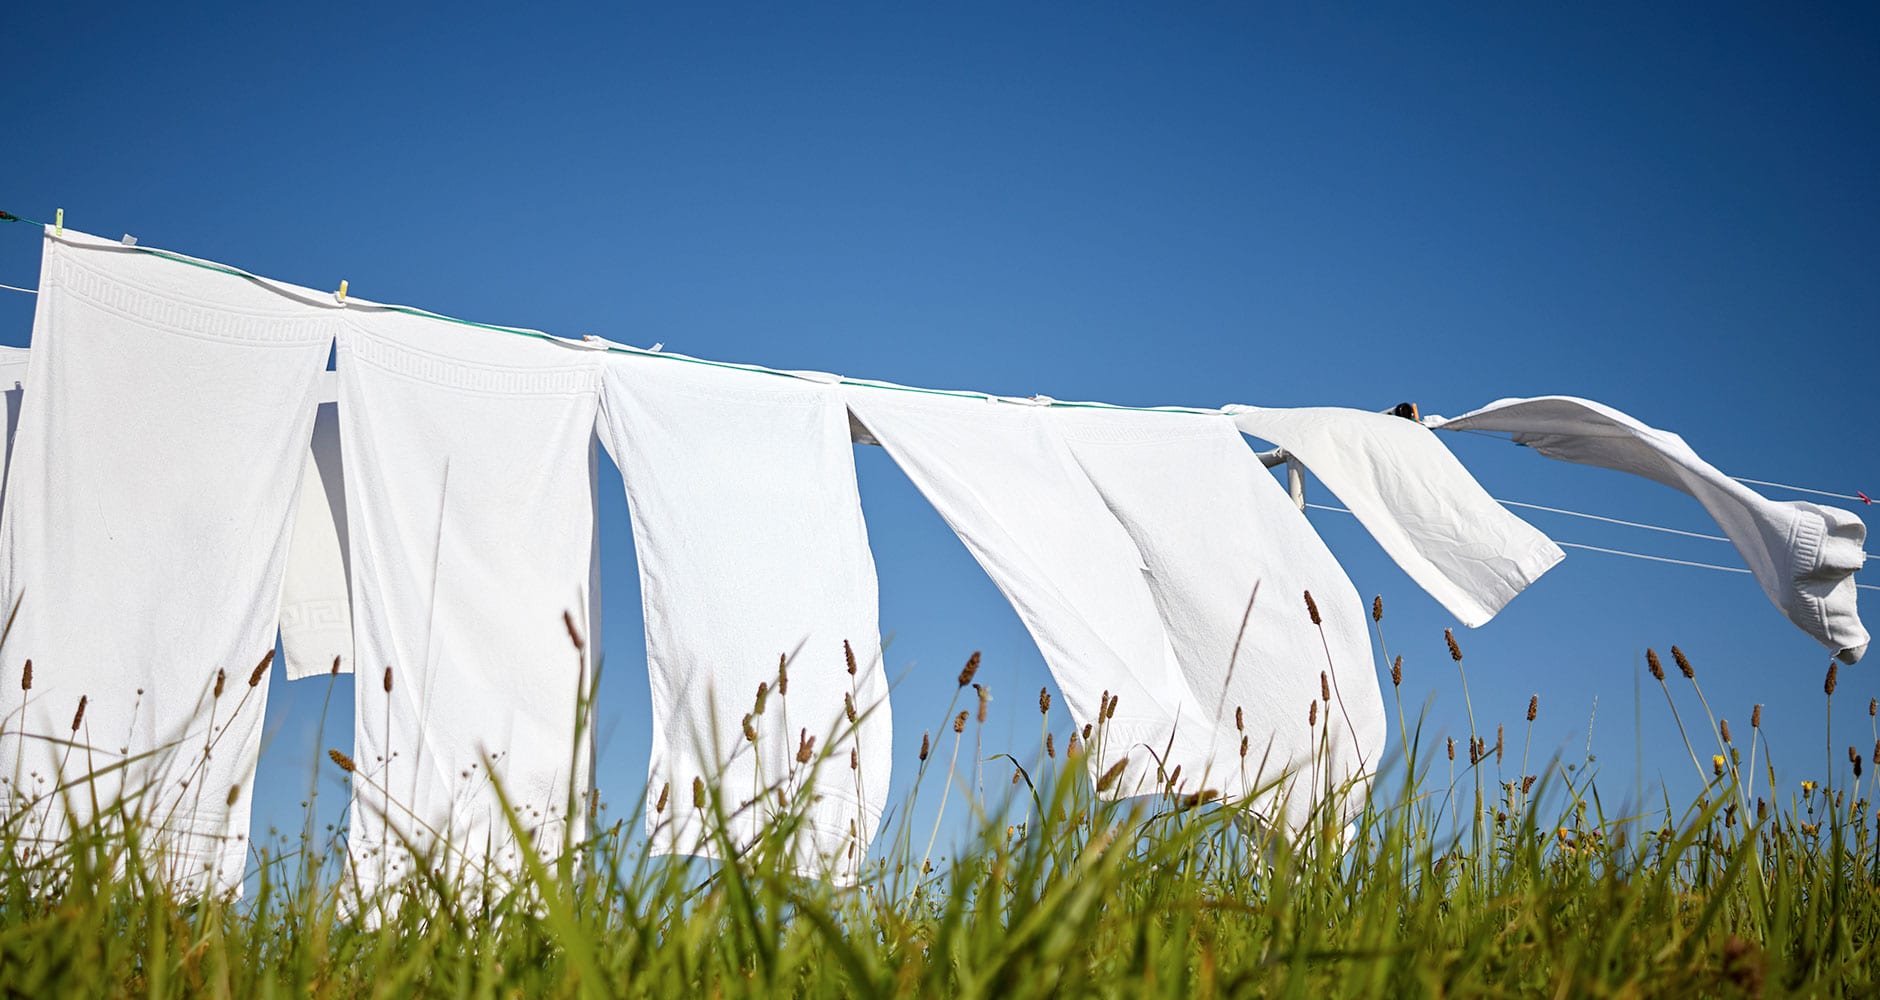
1670,211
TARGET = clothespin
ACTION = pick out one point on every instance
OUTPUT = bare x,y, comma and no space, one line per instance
128,240
340,296
1408,411
1864,498
58,222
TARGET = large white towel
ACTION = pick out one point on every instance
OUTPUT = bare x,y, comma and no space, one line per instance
1006,482
13,384
163,432
470,515
1212,525
316,599
1804,554
752,550
1421,505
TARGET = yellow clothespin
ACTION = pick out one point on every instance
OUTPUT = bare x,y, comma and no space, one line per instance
341,294
58,222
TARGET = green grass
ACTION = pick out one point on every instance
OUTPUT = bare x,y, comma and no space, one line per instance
1449,882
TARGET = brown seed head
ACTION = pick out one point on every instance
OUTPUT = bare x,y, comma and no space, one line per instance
1723,729
1114,701
750,731
234,792
985,699
78,717
1455,651
1452,748
1755,717
574,635
1873,706
1312,608
1110,776
1396,672
1044,701
26,677
1527,783
855,759
345,763
388,680
1015,773
1498,743
763,695
665,792
1086,732
959,722
335,670
220,676
698,793
848,708
1240,719
261,669
1534,706
1325,688
1175,778
1072,745
971,668
1312,714
1051,751
1377,608
926,746
1834,677
783,675
805,747
848,656
1684,664
1244,743
1652,664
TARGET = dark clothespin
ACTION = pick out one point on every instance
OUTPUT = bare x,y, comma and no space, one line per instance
1408,411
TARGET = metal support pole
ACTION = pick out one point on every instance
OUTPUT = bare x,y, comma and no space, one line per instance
1296,482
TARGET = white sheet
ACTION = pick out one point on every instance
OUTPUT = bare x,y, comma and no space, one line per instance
1421,505
470,512
316,598
1803,554
752,548
159,451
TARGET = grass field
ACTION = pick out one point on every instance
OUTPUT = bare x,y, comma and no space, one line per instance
1451,881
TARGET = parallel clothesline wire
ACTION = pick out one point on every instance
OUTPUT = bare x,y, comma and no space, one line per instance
598,343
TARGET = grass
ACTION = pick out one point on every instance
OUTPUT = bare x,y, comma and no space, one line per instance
1450,881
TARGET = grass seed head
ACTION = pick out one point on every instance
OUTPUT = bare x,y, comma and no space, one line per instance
574,635
1652,664
1527,783
261,669
985,699
855,759
26,677
1452,748
1455,651
1377,608
1498,743
78,717
1834,677
959,722
1044,701
665,792
1684,664
1312,608
1325,688
848,656
1087,728
1723,730
763,695
345,763
750,731
971,668
848,708
1396,672
805,747
1312,714
783,674
220,677
335,671
1534,707
1244,744
926,746
1853,755
388,680
234,792
1240,719
1115,700
1755,717
1051,751
698,793
1110,776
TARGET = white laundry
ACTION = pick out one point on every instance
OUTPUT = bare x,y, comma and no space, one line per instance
155,469
13,384
1804,554
1008,485
469,472
752,549
1212,525
1421,505
316,603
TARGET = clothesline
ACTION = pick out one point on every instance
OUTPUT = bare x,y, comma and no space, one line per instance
1618,552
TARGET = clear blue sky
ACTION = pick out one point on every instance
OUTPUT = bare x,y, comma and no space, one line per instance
1674,212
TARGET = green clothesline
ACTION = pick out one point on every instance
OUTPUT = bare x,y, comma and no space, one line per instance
612,347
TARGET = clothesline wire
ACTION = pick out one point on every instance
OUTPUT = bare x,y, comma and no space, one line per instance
612,347
1615,552
16,288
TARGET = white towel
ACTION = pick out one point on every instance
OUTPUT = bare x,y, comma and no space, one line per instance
316,602
752,549
1212,525
470,515
1008,485
1804,554
1421,505
159,452
13,384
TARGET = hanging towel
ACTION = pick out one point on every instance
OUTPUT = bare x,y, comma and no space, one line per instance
316,603
1212,525
1008,485
1804,554
160,447
13,384
469,471
1420,504
752,551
